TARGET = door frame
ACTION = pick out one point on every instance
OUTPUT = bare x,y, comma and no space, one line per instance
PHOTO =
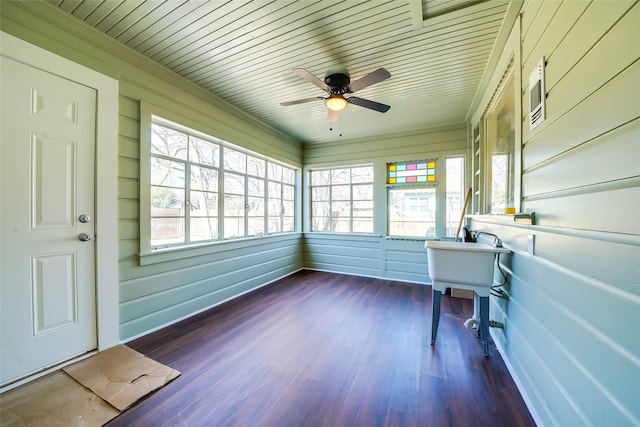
106,174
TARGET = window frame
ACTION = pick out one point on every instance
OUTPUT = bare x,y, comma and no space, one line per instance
351,184
425,185
440,186
149,254
508,64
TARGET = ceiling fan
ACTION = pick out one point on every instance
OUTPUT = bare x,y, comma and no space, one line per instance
337,85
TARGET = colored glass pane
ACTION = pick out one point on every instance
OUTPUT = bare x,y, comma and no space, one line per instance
411,172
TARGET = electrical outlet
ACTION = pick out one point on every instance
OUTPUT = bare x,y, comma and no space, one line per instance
531,244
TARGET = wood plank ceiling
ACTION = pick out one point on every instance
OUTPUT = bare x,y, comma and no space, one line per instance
244,51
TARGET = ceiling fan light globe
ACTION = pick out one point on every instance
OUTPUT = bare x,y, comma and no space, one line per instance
335,102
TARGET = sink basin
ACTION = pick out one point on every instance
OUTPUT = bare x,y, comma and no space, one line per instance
462,265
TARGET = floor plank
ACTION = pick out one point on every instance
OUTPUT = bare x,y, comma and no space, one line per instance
324,349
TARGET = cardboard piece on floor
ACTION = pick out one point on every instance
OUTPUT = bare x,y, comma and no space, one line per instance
54,400
120,375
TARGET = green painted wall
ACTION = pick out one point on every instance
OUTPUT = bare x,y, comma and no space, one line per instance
571,336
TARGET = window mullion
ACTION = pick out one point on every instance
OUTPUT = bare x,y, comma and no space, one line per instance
221,176
246,204
350,203
187,202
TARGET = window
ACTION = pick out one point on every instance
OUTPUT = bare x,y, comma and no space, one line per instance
203,190
455,194
342,200
411,199
500,150
417,204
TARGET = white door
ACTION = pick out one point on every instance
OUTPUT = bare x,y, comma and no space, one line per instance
47,282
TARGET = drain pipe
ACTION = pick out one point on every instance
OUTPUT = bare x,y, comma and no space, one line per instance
473,324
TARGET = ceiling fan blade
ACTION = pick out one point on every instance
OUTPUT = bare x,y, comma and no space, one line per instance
301,101
372,105
377,76
332,116
311,78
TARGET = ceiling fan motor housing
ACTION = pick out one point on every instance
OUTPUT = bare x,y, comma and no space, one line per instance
339,83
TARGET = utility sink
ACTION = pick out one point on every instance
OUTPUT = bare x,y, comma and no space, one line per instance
462,265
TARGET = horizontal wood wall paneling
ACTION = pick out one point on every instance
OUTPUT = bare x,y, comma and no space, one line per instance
529,13
355,240
129,127
128,248
179,311
129,107
341,268
601,64
539,26
128,168
349,254
611,106
543,387
391,147
416,270
610,157
561,298
356,261
213,255
405,255
128,147
128,209
128,188
606,211
184,291
405,260
339,249
567,12
128,229
564,336
579,39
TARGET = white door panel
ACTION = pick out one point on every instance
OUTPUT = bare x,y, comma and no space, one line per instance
48,274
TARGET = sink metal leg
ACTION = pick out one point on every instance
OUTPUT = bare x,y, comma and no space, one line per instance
435,315
484,324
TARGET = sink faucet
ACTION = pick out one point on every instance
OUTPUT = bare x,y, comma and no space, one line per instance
496,240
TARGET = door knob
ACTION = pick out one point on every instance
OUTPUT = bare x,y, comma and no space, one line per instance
85,237
84,218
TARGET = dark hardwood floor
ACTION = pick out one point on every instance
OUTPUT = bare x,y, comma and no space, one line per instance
323,349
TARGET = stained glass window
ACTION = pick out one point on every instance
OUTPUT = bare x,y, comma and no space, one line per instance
422,171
